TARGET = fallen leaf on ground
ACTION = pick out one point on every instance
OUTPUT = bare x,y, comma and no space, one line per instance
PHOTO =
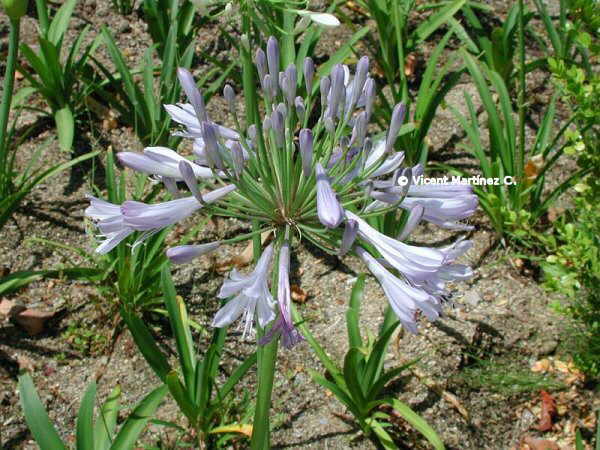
539,444
244,428
244,258
33,320
298,294
543,365
547,413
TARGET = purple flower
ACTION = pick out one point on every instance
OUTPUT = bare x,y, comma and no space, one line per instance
388,165
284,325
414,217
117,222
349,236
404,299
415,263
109,221
251,296
445,204
161,161
192,114
329,210
185,253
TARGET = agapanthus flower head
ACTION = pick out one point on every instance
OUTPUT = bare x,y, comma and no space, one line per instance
306,170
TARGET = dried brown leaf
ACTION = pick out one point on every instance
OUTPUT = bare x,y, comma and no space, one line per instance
298,294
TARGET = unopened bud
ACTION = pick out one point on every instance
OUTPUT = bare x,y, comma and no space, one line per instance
15,9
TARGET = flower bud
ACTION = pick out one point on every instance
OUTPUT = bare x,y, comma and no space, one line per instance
260,59
309,74
213,155
362,70
277,121
283,110
252,134
185,253
267,124
229,95
306,150
414,217
369,97
237,156
291,77
273,60
337,90
395,124
300,109
15,9
324,87
192,92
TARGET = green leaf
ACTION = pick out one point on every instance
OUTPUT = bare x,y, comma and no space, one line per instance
180,327
65,127
17,280
106,422
182,396
60,22
10,203
385,378
137,420
384,438
85,419
146,344
417,422
36,417
237,374
353,313
354,376
437,20
377,355
338,391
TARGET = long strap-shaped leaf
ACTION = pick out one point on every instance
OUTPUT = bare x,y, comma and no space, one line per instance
416,421
137,420
85,419
36,417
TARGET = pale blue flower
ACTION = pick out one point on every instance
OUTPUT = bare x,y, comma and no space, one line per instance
250,296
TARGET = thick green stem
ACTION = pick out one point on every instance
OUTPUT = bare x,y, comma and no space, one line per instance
261,433
9,81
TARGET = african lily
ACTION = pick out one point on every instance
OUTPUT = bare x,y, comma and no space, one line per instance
293,179
298,176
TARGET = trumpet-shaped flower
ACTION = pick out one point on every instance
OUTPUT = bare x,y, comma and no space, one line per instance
284,326
404,299
250,295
